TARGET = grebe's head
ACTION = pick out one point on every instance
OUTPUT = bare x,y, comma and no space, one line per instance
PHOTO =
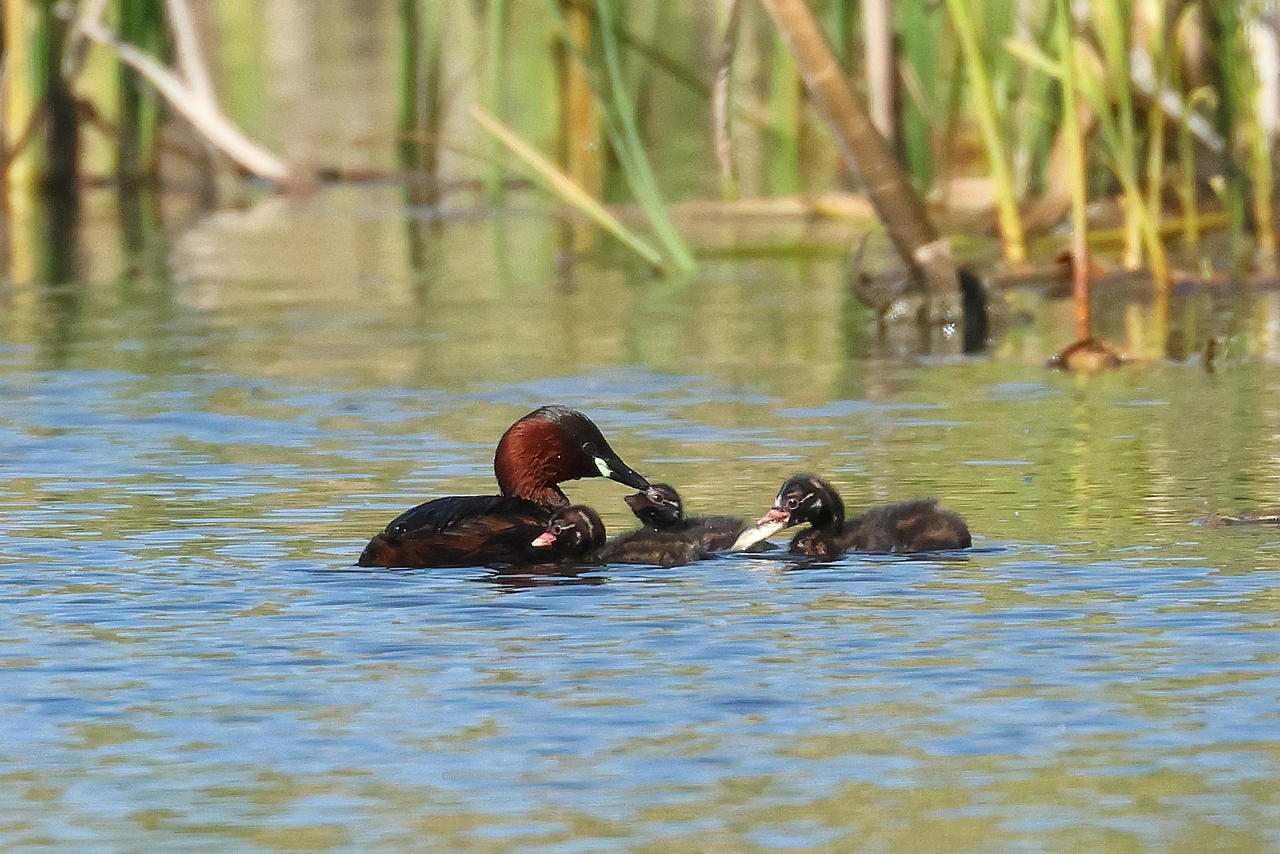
554,444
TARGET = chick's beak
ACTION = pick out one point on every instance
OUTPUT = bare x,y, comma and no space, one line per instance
776,514
543,540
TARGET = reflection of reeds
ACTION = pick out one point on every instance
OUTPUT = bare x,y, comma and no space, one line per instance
610,83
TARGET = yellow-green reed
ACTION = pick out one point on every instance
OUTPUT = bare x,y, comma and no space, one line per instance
1013,240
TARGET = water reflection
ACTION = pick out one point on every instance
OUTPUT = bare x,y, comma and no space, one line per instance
191,661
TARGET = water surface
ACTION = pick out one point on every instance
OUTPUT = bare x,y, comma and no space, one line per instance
194,454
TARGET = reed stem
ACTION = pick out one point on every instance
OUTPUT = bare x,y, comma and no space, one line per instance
563,186
625,138
1014,241
1078,177
864,150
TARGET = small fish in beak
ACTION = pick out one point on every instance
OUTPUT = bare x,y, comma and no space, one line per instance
770,523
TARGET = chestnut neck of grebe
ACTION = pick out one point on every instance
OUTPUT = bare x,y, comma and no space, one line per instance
551,445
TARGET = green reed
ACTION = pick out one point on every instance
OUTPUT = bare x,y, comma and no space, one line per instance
420,108
1252,144
984,103
142,23
1226,64
963,98
23,82
782,140
624,136
495,30
1188,181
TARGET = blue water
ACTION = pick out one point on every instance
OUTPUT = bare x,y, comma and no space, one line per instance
191,662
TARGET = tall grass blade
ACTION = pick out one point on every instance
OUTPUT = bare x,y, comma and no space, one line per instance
1187,193
561,185
625,137
1015,246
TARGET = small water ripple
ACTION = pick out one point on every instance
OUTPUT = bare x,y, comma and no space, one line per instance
187,647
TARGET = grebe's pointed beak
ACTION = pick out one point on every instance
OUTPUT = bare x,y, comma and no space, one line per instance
543,540
612,467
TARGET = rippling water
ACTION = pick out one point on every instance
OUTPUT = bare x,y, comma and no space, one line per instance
191,662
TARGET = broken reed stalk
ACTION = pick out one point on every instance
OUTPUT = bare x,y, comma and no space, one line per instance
192,101
190,57
865,151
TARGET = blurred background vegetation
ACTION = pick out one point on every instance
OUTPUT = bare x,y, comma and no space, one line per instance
648,117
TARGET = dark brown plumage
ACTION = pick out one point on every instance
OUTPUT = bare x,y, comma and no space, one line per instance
667,537
544,448
919,525
573,533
